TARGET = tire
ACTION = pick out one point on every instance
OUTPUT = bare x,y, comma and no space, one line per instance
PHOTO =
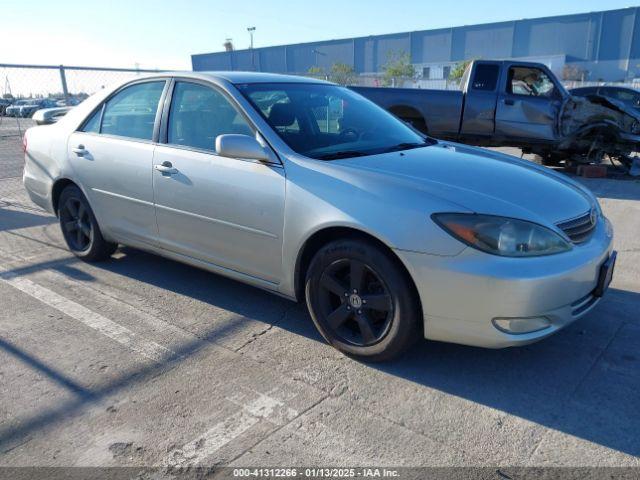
372,316
419,124
80,228
546,160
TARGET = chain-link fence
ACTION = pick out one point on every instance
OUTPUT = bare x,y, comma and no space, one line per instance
59,82
24,89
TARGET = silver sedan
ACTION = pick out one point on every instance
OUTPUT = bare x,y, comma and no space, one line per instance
308,190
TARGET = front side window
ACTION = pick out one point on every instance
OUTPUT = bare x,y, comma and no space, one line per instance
329,122
132,111
199,114
530,81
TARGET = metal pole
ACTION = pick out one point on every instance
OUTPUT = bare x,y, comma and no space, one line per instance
63,80
253,60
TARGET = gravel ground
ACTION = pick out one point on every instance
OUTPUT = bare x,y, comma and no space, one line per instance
142,361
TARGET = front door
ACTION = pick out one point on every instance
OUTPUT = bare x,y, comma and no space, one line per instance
225,211
112,157
529,104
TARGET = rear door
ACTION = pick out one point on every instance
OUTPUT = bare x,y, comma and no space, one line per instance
112,155
529,103
478,117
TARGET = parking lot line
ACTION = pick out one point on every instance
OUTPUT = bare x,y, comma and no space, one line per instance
201,448
94,320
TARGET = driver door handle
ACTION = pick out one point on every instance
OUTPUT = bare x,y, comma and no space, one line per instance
508,101
80,151
166,168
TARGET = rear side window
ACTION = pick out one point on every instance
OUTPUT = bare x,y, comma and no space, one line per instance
486,77
132,111
199,114
93,124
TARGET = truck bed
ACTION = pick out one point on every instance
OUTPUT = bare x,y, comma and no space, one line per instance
440,109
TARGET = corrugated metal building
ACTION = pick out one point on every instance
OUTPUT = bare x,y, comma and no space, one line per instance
604,45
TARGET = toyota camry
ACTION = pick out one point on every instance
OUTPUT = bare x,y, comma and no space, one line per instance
308,190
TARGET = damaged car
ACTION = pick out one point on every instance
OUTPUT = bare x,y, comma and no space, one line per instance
519,104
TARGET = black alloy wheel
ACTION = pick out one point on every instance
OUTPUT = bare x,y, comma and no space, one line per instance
355,302
76,225
362,300
80,227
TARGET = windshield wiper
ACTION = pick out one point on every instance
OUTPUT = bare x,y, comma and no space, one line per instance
407,146
342,154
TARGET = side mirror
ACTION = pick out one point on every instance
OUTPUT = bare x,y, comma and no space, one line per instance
241,146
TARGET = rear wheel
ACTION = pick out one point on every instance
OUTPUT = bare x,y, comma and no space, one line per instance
80,227
362,301
548,160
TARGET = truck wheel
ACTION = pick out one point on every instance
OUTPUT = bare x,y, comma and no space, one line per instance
80,227
546,160
419,124
361,300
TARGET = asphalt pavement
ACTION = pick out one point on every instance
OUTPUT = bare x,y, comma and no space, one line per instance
143,361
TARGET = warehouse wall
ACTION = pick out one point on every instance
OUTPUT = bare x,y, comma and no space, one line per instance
607,44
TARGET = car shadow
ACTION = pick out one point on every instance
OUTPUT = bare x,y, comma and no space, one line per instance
569,382
615,189
557,383
17,219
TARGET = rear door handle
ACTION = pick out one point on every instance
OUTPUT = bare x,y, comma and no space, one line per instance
508,101
166,168
80,151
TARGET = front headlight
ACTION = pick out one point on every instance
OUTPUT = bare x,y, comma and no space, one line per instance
508,237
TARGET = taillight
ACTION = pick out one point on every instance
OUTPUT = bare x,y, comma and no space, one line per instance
24,143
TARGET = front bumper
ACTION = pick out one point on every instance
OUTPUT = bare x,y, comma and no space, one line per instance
461,295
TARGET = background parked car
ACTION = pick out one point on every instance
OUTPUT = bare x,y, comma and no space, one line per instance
14,109
47,116
68,102
4,103
628,96
33,106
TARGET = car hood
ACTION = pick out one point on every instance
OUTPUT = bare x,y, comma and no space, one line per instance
482,181
615,104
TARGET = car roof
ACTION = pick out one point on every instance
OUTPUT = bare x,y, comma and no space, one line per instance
247,77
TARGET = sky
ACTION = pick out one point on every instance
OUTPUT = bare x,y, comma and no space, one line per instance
164,33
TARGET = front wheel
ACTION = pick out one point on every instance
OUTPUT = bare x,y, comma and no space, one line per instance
362,302
80,227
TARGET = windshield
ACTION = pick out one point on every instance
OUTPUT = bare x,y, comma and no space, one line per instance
329,122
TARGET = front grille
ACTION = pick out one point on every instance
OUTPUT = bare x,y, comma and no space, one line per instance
579,229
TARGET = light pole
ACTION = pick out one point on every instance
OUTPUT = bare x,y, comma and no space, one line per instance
317,52
251,30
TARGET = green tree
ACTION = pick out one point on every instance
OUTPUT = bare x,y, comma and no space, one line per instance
457,72
316,72
397,68
573,72
342,74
